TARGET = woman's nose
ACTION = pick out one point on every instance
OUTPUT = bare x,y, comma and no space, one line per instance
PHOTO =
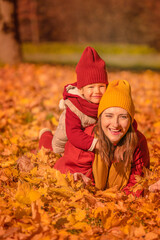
115,122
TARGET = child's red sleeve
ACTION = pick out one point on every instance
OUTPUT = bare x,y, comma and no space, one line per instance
75,132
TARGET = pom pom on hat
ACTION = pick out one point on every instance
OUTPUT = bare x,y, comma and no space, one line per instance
90,68
118,94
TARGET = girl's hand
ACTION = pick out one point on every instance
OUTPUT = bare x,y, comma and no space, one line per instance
77,176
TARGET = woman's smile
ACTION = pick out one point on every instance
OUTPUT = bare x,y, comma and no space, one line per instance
114,131
115,123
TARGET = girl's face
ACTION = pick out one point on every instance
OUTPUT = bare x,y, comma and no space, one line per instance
93,92
115,122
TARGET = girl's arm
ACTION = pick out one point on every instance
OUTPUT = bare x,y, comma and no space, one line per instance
76,134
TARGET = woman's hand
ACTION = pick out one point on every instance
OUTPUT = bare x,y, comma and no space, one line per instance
154,187
77,176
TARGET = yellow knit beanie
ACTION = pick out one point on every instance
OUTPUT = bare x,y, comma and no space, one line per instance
118,94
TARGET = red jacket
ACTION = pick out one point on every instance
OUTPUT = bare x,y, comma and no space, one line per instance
77,160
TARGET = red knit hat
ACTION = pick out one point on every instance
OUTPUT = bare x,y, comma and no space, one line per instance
90,69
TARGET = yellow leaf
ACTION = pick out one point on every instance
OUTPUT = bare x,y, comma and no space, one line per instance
24,101
120,206
99,211
81,225
25,194
45,238
147,101
34,195
33,171
139,232
33,180
146,208
60,178
154,159
71,219
137,187
7,163
110,220
42,191
156,124
108,194
54,121
14,139
80,214
63,234
158,218
78,196
126,229
31,133
63,191
151,236
138,178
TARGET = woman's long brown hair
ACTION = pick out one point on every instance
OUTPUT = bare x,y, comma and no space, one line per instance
123,151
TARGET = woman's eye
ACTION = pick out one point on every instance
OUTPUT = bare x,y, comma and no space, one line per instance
124,117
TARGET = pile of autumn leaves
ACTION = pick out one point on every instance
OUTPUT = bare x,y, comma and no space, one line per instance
36,201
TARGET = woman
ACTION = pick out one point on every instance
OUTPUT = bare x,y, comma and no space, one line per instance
122,150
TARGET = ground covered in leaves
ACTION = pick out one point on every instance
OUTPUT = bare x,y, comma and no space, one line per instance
39,203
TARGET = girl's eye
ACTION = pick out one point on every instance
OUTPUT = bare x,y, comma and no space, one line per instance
108,116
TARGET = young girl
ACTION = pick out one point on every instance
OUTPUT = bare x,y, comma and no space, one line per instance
81,101
123,151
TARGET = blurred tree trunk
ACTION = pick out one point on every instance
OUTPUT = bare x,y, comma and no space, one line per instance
10,51
34,21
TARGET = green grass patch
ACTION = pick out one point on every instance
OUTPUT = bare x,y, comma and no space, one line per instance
71,48
116,56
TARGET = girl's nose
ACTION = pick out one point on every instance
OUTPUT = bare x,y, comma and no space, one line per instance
97,90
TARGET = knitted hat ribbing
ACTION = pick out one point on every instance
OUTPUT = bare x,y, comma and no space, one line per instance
90,69
118,94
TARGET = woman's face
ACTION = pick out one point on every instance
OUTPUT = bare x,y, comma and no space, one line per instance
115,122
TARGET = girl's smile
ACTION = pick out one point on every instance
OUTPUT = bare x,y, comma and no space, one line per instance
93,92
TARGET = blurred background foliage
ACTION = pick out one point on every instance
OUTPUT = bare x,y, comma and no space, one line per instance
125,33
135,22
